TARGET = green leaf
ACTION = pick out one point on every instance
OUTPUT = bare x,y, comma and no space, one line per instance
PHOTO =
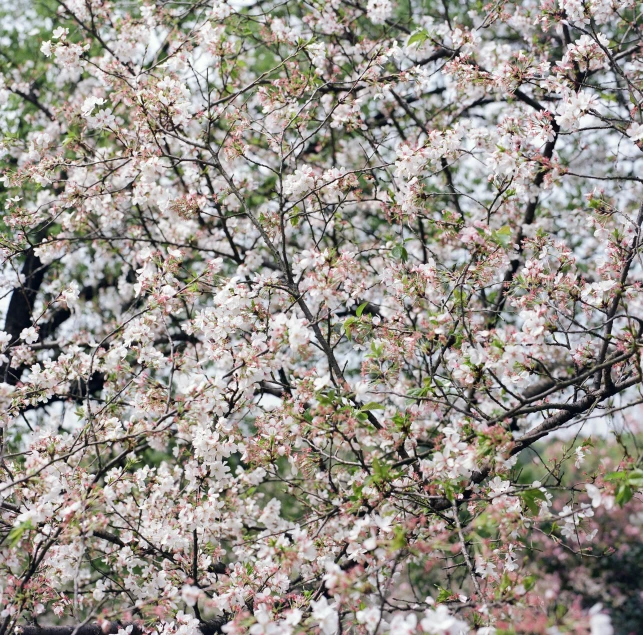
530,497
424,391
399,252
376,351
16,533
624,494
627,483
399,540
529,582
401,422
443,594
348,324
635,478
360,309
502,236
372,405
381,471
418,38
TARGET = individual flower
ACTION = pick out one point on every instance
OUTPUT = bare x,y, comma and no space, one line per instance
600,623
439,621
89,104
29,335
635,131
5,338
325,615
191,594
598,498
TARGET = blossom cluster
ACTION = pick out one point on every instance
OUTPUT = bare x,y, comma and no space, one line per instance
320,317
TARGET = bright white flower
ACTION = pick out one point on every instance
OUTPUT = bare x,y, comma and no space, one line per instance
409,162
379,11
370,617
498,486
264,625
220,10
331,178
581,453
6,393
533,324
404,624
298,331
510,559
575,10
597,291
573,107
71,293
362,389
191,594
5,338
600,623
89,104
103,119
293,617
317,52
333,574
60,33
29,335
635,131
99,591
308,259
439,621
486,570
299,183
326,616
68,56
321,382
597,497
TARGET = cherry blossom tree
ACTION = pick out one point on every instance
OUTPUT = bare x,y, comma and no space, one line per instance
319,317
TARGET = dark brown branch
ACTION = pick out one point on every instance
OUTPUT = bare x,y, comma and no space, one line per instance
575,409
32,99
